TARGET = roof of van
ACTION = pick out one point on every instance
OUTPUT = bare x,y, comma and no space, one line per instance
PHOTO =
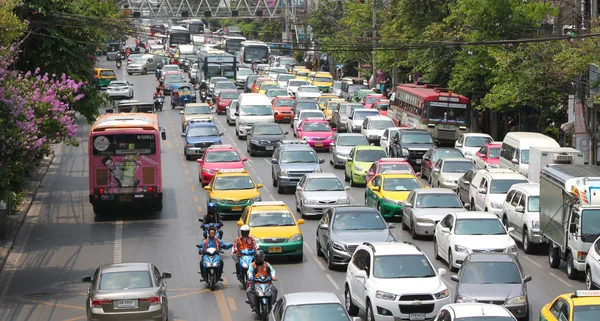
530,138
254,97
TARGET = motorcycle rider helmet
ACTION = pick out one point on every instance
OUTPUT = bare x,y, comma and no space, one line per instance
259,257
211,208
245,230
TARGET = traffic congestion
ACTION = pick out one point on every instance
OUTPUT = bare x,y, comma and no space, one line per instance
270,191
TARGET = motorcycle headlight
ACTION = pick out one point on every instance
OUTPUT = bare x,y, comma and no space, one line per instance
517,300
244,265
511,249
385,296
466,299
214,264
461,249
442,294
295,238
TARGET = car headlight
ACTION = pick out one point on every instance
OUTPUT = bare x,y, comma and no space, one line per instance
449,181
318,170
511,249
466,299
189,145
442,294
496,205
306,201
257,199
305,138
467,153
338,246
215,200
460,249
358,168
284,172
208,171
517,300
295,238
254,141
330,138
405,152
385,296
391,201
241,124
344,201
424,220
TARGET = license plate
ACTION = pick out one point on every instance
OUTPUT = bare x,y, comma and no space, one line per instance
319,144
127,303
275,249
417,316
419,161
125,198
236,208
287,118
269,147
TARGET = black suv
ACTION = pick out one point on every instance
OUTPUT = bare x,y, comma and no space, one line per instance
264,138
411,144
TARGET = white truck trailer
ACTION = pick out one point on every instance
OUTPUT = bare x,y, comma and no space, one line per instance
539,157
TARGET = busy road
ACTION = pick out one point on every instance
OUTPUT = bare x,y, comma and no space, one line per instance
62,240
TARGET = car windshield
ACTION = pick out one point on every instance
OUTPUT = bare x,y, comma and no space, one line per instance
315,114
284,102
276,92
402,267
525,156
337,84
298,156
323,79
125,280
317,127
533,204
444,153
251,79
278,71
395,167
229,183
170,68
222,157
268,86
369,155
501,186
417,138
372,100
494,153
361,115
321,311
324,184
477,141
590,223
490,273
309,89
139,61
301,105
118,84
215,80
296,83
457,166
225,85
203,131
586,312
437,200
267,130
229,95
479,226
174,76
369,220
383,106
332,105
285,78
256,110
244,72
381,124
174,80
355,88
195,110
395,184
271,218
352,140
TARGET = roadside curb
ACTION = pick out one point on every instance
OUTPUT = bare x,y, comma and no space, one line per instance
15,222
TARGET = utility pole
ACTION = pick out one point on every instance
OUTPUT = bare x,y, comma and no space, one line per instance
374,83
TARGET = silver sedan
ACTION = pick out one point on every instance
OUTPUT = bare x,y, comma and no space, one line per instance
425,207
132,291
447,171
318,191
342,145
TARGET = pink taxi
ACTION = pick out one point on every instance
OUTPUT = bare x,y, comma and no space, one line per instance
389,164
371,99
218,157
488,156
316,132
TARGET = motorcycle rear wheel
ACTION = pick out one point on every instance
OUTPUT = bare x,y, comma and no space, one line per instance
264,312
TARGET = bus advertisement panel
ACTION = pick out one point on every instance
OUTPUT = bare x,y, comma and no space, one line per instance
124,162
426,106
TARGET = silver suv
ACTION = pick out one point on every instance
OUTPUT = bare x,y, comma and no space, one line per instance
291,160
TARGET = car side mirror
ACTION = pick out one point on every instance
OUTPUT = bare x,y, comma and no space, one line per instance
426,158
321,160
181,112
519,209
356,319
442,272
408,204
163,135
273,161
245,159
259,185
207,188
332,145
454,278
221,133
301,221
166,275
109,110
481,190
361,274
510,230
515,161
467,206
333,130
236,113
376,188
285,133
347,188
458,145
86,279
437,170
199,161
370,173
391,225
240,223
527,278
182,134
445,230
572,228
324,226
349,159
349,117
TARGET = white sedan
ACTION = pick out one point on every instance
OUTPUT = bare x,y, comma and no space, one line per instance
470,143
460,234
592,272
120,89
293,85
308,92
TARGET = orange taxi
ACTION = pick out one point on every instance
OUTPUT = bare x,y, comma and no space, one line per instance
282,108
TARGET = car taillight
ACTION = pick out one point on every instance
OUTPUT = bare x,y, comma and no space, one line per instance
101,190
153,300
150,189
99,303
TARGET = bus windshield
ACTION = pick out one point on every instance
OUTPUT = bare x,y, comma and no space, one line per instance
232,46
219,70
196,28
440,112
256,53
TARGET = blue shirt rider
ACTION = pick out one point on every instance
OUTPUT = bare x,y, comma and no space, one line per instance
212,242
260,268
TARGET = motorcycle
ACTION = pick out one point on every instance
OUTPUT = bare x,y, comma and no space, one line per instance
212,264
246,259
119,64
263,297
159,103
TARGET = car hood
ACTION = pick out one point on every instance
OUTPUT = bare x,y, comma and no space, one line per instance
423,147
490,292
225,101
271,138
425,285
435,214
203,139
326,196
356,237
236,194
342,149
484,242
293,88
134,65
304,94
377,132
452,176
275,231
224,165
317,134
198,116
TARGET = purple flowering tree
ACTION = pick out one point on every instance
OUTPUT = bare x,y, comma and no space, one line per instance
34,114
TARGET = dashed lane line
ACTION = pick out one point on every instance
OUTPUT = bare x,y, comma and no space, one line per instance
193,188
189,179
117,252
332,281
199,208
561,280
196,199
319,263
187,172
532,261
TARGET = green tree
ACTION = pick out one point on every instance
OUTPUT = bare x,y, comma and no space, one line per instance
11,27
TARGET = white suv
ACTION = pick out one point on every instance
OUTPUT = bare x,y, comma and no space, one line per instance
521,210
489,187
394,281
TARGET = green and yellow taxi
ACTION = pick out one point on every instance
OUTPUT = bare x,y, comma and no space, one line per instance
330,106
387,191
275,228
323,80
300,74
266,86
104,76
582,305
324,98
232,190
359,161
309,77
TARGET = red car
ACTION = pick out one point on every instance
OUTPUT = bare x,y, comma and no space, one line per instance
488,156
433,155
282,108
218,157
382,105
224,99
371,99
389,164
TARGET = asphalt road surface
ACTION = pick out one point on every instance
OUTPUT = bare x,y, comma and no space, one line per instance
62,240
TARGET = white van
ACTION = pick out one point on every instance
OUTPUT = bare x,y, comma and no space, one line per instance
515,149
252,109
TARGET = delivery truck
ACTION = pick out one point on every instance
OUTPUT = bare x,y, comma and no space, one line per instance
539,157
569,213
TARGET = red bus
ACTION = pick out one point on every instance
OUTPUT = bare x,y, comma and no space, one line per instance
425,106
124,161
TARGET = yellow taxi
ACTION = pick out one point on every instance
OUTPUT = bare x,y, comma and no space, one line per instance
330,106
232,190
309,77
582,305
387,191
298,68
104,76
323,80
266,86
324,98
301,74
275,228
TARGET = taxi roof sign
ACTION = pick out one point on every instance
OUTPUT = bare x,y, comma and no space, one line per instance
232,170
586,293
274,203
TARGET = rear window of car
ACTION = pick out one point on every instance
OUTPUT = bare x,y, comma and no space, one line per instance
125,280
107,73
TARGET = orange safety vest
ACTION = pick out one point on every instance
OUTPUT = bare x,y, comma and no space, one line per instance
241,245
217,243
261,271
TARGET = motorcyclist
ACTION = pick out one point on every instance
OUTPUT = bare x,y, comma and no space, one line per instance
260,268
161,85
119,59
244,242
157,73
158,93
213,217
213,242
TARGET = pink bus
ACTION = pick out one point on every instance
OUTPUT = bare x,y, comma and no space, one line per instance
124,161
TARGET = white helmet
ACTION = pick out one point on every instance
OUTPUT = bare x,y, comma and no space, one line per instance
245,228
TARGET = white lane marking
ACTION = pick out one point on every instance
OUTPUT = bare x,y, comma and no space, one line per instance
272,197
561,280
117,256
332,281
267,161
532,261
319,263
309,249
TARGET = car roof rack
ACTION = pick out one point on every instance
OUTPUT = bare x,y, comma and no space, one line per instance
371,246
